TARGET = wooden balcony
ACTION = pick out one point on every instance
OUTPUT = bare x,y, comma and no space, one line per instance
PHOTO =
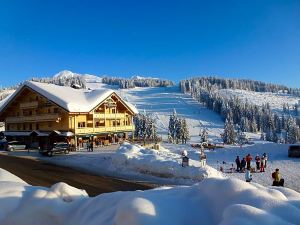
89,130
109,115
29,105
33,118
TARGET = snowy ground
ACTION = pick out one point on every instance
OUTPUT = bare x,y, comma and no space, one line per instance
218,199
215,201
164,167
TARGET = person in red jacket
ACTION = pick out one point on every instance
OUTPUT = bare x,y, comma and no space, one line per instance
248,160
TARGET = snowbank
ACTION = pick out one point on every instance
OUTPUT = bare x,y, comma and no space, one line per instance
161,163
221,201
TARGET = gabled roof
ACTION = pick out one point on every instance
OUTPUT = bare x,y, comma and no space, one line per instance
70,99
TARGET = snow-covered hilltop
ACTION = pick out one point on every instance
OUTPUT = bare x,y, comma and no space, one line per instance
137,77
66,74
275,100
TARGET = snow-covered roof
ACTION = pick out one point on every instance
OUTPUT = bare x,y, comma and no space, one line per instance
72,100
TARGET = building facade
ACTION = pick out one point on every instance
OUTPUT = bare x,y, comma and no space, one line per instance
46,113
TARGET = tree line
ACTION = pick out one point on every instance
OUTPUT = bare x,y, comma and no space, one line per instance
76,81
249,117
134,82
243,84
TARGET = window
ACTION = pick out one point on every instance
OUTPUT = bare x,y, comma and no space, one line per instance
30,126
49,110
113,110
100,123
37,126
37,98
116,123
49,124
81,124
55,110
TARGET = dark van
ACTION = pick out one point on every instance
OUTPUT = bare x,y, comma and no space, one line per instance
294,151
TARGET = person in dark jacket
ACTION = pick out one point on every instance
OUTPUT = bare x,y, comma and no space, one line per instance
238,163
243,165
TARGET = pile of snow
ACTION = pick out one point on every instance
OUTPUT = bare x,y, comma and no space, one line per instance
213,201
160,163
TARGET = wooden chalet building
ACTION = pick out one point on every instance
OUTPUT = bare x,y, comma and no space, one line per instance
41,114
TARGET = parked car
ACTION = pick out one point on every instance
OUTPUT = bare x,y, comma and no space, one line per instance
15,145
58,148
294,151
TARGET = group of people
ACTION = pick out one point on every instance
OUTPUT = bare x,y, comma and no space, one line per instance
245,163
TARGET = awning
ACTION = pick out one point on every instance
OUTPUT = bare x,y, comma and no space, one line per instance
39,133
16,133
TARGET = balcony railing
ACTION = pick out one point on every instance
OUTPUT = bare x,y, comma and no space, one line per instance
29,105
109,115
87,130
33,118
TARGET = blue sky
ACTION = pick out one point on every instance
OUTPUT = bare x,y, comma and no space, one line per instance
169,39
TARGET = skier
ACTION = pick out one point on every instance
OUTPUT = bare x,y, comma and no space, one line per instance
248,160
266,159
243,165
262,164
248,176
257,160
238,163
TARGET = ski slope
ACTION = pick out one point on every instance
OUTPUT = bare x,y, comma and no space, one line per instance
161,102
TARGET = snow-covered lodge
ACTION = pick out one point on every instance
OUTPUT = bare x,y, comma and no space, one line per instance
41,114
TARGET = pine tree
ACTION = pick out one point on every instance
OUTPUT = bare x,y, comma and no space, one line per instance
185,132
245,124
229,133
172,127
292,131
178,130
